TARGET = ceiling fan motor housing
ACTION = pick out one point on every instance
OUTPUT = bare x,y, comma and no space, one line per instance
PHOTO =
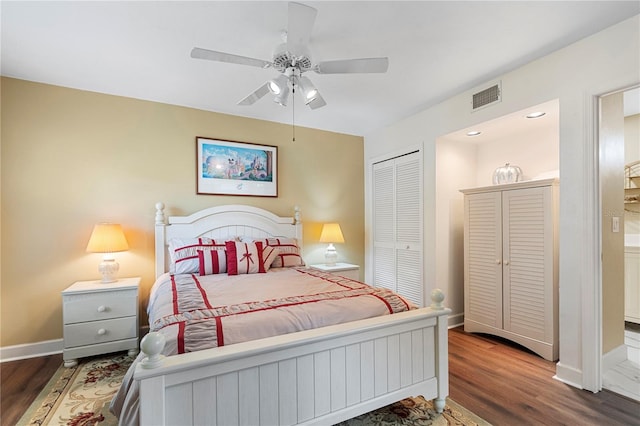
283,59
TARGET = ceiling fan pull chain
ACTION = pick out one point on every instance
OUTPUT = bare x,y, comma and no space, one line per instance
293,107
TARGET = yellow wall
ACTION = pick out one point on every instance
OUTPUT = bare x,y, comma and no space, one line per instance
73,158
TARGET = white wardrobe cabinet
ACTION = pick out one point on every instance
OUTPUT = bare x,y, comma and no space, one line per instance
511,263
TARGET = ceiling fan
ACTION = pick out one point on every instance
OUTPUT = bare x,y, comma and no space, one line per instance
292,60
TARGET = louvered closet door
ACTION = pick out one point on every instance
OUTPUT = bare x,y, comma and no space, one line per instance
409,228
397,226
528,262
483,258
384,269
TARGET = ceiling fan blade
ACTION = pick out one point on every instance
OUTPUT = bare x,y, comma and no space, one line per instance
318,102
213,55
253,97
301,19
347,66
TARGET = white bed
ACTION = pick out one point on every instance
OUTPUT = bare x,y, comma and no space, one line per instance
319,376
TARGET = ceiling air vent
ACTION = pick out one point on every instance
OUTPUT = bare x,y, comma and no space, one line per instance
486,97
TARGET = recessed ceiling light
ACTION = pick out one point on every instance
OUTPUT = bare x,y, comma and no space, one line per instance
536,114
473,133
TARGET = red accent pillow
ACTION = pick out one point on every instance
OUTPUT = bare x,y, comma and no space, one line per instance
212,262
289,252
244,258
184,253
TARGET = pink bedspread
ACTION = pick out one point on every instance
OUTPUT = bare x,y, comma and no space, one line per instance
195,313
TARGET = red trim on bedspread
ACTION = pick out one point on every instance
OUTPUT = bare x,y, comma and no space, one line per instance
174,292
219,333
180,342
205,299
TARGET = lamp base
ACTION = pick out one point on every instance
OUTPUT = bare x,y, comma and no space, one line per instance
330,255
109,269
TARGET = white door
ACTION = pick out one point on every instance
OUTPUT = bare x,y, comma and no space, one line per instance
483,258
397,226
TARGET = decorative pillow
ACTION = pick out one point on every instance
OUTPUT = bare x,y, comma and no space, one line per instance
184,253
212,262
269,255
248,258
289,252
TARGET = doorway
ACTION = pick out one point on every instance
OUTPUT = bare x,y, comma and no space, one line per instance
619,147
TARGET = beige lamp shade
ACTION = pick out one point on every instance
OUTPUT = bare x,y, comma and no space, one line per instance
331,233
107,238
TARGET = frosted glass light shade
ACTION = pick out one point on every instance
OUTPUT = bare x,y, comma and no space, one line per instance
107,238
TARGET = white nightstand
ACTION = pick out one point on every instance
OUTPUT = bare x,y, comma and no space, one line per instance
100,318
347,270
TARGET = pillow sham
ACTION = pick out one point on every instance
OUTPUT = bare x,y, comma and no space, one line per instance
249,258
184,253
212,262
289,252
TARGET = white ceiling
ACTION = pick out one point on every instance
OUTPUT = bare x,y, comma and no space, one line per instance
436,49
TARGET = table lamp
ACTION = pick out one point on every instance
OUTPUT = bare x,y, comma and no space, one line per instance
331,233
107,238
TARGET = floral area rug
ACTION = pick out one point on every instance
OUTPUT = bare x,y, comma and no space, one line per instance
417,411
80,396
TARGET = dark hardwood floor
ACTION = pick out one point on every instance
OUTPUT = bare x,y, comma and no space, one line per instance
497,380
21,382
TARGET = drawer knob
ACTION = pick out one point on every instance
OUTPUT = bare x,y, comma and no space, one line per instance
102,331
102,308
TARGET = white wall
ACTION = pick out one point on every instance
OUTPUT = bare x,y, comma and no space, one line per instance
575,75
456,164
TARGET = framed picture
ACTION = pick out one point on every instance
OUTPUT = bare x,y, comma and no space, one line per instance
236,168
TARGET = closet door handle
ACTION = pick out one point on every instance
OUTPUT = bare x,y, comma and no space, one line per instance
498,261
506,262
102,332
102,308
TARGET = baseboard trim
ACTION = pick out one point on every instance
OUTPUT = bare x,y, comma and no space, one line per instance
31,350
455,320
568,375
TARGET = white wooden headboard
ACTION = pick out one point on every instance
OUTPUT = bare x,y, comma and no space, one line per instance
227,221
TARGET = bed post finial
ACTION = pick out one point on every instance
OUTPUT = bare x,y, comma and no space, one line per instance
296,215
152,345
160,220
437,296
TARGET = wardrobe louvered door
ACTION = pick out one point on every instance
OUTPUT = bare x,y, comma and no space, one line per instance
528,262
483,258
397,226
510,265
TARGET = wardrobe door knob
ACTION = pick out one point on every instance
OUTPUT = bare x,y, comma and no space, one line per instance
102,332
102,308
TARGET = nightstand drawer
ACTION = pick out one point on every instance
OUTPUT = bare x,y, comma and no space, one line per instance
90,333
99,306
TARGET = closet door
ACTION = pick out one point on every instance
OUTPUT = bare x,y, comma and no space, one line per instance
528,262
397,226
483,258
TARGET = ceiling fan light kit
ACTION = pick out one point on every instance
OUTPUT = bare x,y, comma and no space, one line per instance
292,60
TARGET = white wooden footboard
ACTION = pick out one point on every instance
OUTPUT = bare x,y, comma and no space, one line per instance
319,376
